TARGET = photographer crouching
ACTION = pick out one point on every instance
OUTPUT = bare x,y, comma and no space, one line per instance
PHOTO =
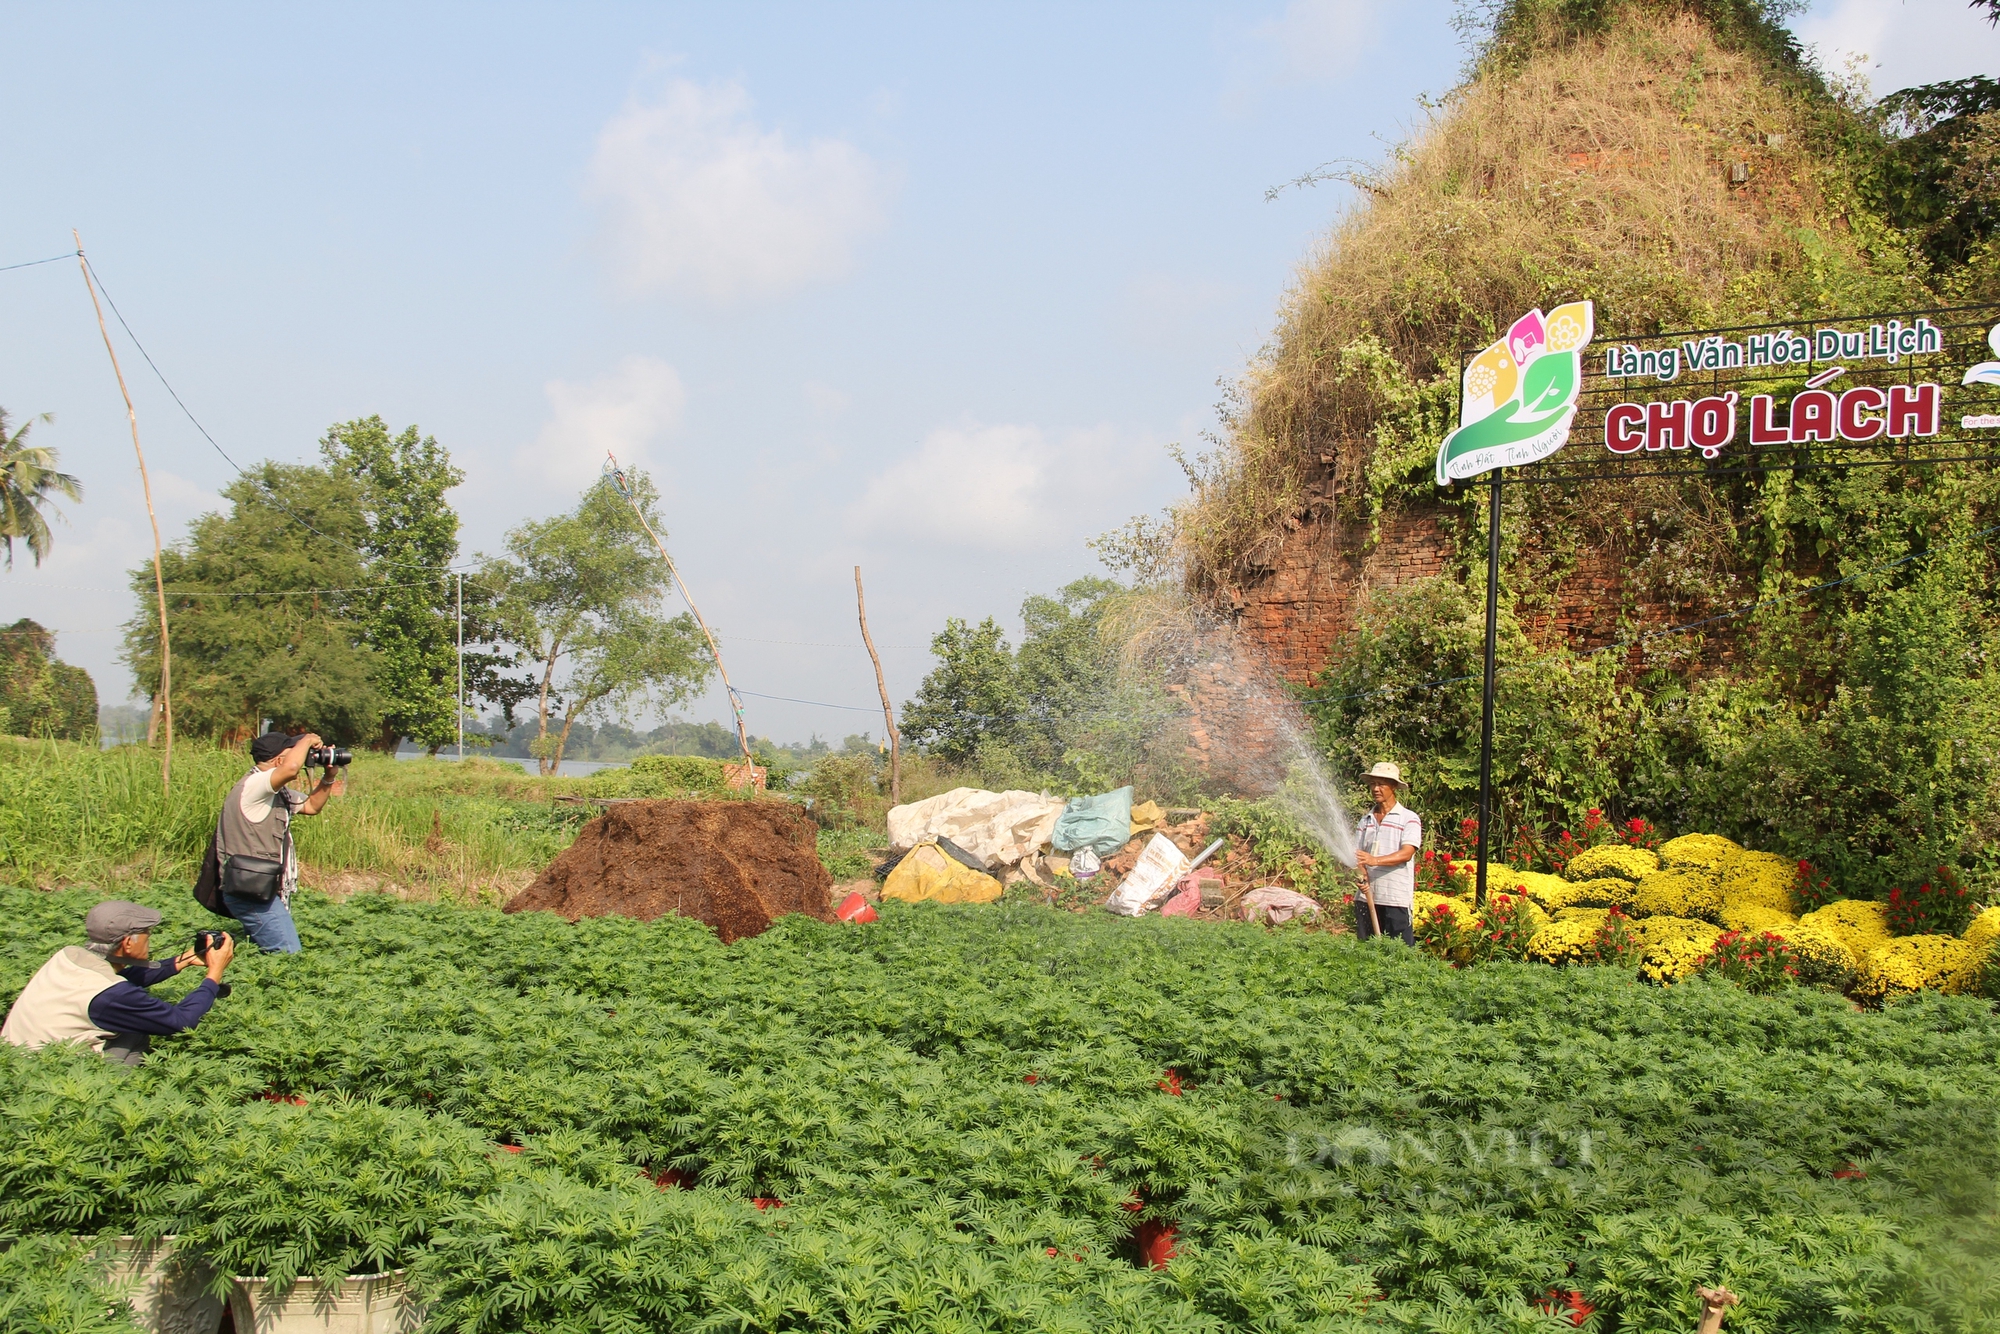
255,867
96,994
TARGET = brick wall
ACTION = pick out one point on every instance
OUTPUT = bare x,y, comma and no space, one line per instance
1294,598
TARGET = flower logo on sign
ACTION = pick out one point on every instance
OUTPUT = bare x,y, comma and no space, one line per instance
1986,372
1519,395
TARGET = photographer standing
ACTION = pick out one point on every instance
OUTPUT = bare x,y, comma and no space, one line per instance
96,994
256,865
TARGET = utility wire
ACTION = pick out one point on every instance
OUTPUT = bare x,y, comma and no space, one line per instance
1682,629
29,264
175,395
818,704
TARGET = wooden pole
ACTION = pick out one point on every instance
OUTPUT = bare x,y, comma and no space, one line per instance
146,484
881,684
735,704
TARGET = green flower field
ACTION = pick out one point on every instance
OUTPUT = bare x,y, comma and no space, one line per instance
973,1118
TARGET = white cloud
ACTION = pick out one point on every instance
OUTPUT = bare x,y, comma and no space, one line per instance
699,199
995,487
1318,39
624,412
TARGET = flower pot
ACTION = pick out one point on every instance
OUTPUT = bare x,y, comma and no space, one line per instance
362,1304
169,1294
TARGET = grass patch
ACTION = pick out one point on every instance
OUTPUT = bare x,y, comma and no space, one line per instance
476,830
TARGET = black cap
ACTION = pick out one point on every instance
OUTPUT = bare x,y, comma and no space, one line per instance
271,745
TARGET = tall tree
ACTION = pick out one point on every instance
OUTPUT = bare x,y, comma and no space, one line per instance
971,698
39,695
580,594
410,541
268,605
28,478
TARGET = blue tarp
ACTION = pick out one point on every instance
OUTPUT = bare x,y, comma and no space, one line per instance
1102,823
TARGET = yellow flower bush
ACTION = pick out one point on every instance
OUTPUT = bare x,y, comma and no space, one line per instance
1599,893
1706,852
1762,879
1594,916
1753,918
1912,963
1546,890
1985,929
1676,956
1564,941
1613,859
1652,931
1824,958
1861,925
1677,894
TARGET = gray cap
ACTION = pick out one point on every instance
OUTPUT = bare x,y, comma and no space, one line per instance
114,919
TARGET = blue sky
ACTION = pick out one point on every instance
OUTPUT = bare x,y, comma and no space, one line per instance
927,289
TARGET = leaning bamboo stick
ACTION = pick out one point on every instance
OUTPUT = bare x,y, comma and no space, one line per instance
735,704
888,714
145,484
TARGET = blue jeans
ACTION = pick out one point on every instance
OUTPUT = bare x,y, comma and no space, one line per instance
269,924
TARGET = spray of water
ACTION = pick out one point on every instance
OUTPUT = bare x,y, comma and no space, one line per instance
1239,723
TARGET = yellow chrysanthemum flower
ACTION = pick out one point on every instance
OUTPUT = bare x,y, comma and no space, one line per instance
1564,942
1823,957
1677,894
1861,925
1546,891
1613,859
1594,916
1676,956
1698,851
1912,963
1753,918
1985,929
1761,879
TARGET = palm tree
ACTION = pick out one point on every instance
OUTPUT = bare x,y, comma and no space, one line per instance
28,477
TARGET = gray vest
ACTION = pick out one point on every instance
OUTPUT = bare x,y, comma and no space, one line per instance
236,836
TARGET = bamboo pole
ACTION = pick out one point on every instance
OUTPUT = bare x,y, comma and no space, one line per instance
888,714
735,704
146,484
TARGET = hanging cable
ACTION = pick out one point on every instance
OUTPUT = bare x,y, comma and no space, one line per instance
240,471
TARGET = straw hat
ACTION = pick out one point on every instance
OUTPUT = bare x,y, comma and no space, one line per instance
1385,769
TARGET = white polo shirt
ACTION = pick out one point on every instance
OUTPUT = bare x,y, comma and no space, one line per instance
1392,886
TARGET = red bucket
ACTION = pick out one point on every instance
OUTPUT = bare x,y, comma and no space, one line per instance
855,908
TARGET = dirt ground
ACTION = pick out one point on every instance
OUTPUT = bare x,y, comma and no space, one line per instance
736,865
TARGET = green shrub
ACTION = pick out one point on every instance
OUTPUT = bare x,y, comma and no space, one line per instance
59,1285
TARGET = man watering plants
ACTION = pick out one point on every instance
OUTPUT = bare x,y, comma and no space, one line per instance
96,995
256,868
1386,844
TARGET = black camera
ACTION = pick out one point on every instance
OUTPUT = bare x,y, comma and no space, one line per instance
328,757
204,941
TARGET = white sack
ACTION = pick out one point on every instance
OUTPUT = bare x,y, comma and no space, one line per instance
1157,871
999,828
1275,903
